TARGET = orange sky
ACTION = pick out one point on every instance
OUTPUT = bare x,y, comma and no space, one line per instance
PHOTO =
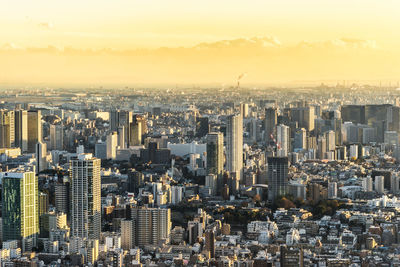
118,42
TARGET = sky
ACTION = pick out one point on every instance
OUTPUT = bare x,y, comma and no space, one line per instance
198,42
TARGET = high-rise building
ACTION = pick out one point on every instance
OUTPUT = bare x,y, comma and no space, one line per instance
34,129
270,122
135,181
7,129
127,236
277,177
282,140
138,127
176,194
121,137
20,208
330,141
151,226
56,137
210,242
300,139
120,118
305,117
367,184
86,196
321,153
62,197
234,145
41,156
21,129
332,190
215,157
212,183
112,143
244,110
43,203
202,126
380,184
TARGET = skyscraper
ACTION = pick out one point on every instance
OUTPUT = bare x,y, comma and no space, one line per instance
120,118
21,129
41,154
210,242
20,208
7,129
138,127
34,129
277,177
215,157
282,140
271,119
56,137
112,143
86,196
121,136
202,126
300,139
234,145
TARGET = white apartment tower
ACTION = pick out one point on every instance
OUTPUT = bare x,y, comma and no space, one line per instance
86,196
234,145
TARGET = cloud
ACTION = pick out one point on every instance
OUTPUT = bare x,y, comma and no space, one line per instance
266,58
267,41
45,25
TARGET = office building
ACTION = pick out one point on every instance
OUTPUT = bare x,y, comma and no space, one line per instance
20,208
215,157
34,129
138,127
210,243
202,127
277,177
56,137
300,139
41,156
7,129
21,129
270,122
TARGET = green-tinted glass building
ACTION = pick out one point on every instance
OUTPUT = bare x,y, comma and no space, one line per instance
20,208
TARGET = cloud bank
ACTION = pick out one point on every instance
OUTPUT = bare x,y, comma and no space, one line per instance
265,59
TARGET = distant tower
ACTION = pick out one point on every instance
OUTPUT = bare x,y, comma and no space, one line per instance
86,197
234,145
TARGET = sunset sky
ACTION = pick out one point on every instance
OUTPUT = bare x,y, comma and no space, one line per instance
208,41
